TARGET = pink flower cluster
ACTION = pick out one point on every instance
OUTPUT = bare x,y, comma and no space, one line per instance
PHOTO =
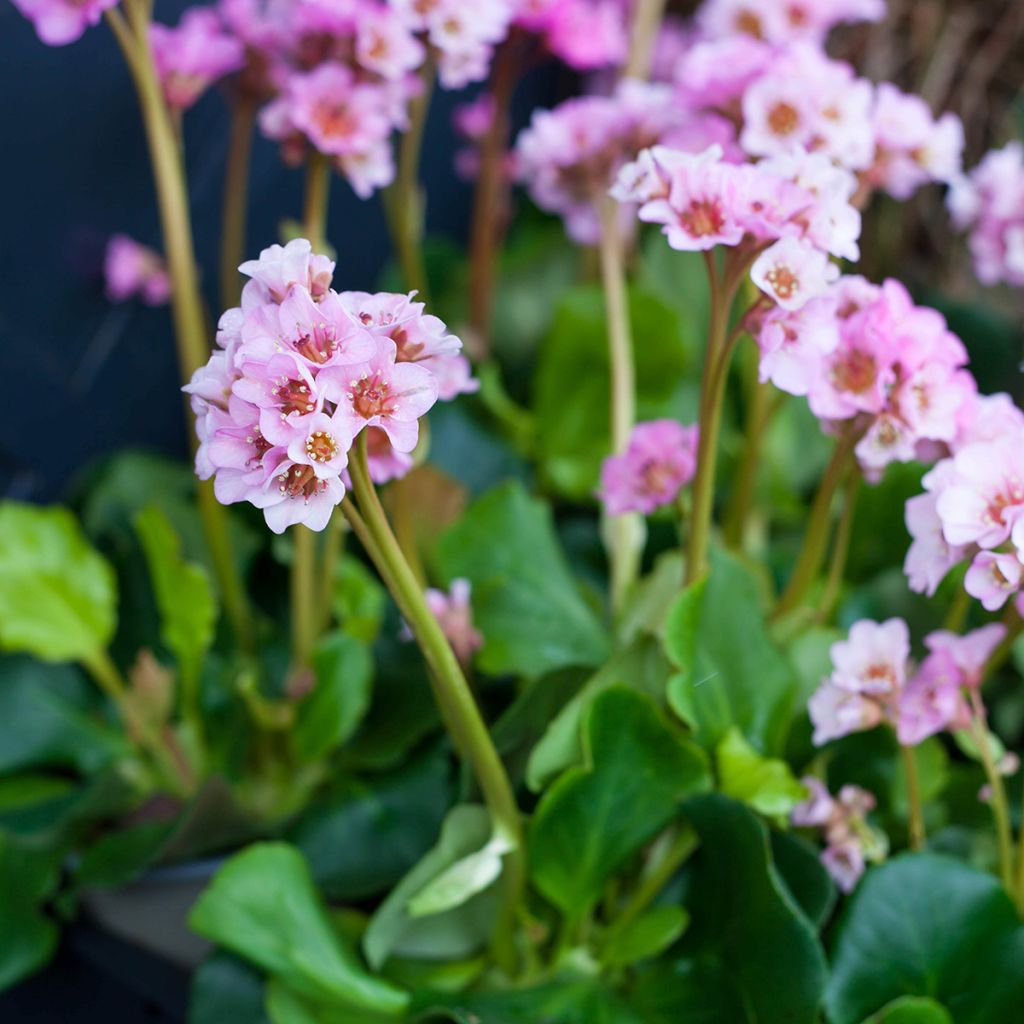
850,842
973,509
761,71
702,201
192,56
658,463
866,355
569,156
873,681
300,371
585,34
132,269
989,203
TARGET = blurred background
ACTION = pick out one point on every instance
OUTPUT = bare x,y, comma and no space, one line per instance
77,172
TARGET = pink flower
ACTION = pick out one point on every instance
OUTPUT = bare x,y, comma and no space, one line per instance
993,578
192,56
455,616
930,556
658,462
385,45
132,269
58,22
386,394
817,809
587,34
836,712
931,702
793,344
845,864
792,271
281,266
873,659
969,653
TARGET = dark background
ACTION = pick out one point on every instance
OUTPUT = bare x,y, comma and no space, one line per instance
84,377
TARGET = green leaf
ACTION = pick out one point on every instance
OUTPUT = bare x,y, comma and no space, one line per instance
358,600
645,937
226,990
637,771
641,666
58,597
119,856
764,783
184,594
571,409
731,674
800,869
685,991
911,1010
28,937
926,925
569,1001
464,879
49,720
743,916
286,1006
331,713
456,933
361,839
263,906
525,599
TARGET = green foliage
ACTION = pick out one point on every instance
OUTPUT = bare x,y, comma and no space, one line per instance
455,933
572,408
184,594
766,784
744,918
926,925
262,905
646,936
358,600
636,772
58,598
730,672
911,1010
28,935
525,600
331,713
799,867
361,838
226,990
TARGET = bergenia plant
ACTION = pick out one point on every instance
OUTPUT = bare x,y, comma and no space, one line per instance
618,622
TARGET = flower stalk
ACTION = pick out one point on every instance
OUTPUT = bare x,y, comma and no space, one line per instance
452,692
624,533
131,32
236,199
914,808
998,802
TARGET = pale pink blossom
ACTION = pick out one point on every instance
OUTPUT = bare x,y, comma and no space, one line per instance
658,462
192,56
993,578
454,614
58,22
969,653
873,658
792,271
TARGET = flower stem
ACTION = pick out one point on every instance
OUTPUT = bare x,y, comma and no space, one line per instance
840,546
318,194
712,393
186,300
671,857
404,201
236,199
490,199
624,533
913,798
812,552
999,804
452,692
647,15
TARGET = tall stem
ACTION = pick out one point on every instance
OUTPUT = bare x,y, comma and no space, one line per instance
452,692
624,533
318,194
812,552
186,299
913,799
712,393
647,15
999,804
840,546
404,200
490,198
236,199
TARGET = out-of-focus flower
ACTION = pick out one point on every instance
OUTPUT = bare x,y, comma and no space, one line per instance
658,462
192,56
455,616
131,269
58,22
